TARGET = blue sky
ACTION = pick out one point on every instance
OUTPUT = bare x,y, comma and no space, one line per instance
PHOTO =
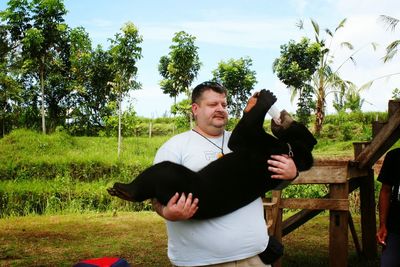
253,28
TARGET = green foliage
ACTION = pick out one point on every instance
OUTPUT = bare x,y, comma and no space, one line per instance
60,195
297,62
305,191
393,47
295,67
239,80
181,66
182,122
349,98
396,94
354,126
73,90
183,108
305,105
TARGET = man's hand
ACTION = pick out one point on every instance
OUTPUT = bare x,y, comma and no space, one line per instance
283,167
178,207
381,235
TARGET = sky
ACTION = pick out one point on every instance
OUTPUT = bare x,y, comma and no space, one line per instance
231,29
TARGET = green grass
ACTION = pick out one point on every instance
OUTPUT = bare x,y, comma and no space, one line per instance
63,240
23,147
30,155
139,237
59,196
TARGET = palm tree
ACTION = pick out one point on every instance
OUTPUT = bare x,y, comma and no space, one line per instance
326,80
392,48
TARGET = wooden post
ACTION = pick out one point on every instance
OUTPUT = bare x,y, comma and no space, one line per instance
393,106
368,216
150,129
278,233
376,127
338,228
359,147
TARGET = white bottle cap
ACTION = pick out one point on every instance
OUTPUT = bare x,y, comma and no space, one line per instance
275,114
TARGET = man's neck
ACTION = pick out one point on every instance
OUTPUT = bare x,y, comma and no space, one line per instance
210,133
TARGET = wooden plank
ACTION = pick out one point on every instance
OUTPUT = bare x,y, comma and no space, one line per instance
323,174
354,171
338,228
331,174
354,235
297,220
386,137
314,203
393,106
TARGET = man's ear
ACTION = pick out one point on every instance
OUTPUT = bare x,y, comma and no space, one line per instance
195,107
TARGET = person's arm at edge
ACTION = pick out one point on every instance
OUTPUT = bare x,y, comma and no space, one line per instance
383,206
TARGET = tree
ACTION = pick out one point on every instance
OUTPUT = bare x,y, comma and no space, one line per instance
392,48
180,67
92,99
14,22
239,80
125,52
325,80
295,67
10,88
396,94
41,42
391,51
349,99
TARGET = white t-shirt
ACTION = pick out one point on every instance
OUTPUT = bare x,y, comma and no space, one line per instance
237,235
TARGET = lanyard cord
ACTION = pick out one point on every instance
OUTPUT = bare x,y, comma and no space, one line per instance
219,147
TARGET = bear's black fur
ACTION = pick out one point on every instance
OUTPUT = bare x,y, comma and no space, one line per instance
233,180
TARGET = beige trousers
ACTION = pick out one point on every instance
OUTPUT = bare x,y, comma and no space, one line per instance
254,261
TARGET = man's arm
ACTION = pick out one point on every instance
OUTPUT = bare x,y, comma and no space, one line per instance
178,207
383,206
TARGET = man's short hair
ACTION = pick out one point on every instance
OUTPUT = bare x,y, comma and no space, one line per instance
204,86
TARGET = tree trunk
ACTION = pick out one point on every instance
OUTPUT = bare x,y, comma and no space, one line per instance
42,95
119,123
3,133
320,112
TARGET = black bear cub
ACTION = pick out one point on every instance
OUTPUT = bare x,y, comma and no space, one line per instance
235,179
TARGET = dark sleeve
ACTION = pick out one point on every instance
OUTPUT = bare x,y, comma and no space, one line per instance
390,170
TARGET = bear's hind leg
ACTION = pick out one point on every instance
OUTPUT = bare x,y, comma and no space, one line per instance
120,190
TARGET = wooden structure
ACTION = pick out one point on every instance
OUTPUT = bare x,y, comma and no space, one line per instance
342,178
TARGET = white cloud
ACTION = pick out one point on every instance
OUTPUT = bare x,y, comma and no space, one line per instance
267,33
373,7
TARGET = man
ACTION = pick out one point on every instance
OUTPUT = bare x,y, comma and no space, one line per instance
388,234
228,239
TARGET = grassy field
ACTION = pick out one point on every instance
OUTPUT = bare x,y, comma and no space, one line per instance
64,179
62,240
138,237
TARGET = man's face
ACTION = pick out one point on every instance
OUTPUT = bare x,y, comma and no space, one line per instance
211,111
